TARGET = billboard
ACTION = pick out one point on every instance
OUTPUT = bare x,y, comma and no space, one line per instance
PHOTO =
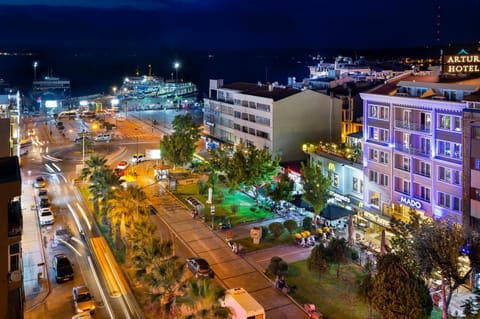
461,63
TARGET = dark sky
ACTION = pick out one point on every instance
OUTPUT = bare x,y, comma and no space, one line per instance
235,24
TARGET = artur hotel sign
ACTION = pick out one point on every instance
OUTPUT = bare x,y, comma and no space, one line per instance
461,63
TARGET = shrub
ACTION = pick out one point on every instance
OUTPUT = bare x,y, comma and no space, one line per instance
277,267
290,225
202,187
264,231
307,223
234,209
353,254
253,209
276,228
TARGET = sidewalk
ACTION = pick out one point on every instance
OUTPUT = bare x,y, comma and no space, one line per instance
35,267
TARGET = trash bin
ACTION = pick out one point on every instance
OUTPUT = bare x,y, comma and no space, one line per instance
256,235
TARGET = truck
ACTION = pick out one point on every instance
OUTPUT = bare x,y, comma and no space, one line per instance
242,305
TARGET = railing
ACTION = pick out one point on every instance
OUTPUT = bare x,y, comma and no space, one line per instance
412,150
427,200
413,126
422,173
403,168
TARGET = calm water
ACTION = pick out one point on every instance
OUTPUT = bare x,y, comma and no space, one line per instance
97,73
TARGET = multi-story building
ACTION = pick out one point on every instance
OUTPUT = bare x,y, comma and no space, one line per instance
50,92
413,147
10,125
12,294
271,117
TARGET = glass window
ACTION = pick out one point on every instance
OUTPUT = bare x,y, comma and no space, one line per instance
355,184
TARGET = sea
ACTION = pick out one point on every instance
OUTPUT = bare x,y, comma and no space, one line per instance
98,72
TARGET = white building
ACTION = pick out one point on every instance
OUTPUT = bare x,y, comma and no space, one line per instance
271,117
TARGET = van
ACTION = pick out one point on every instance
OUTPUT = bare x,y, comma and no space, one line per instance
68,114
242,305
103,137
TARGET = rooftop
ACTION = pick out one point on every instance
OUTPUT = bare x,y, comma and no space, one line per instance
271,91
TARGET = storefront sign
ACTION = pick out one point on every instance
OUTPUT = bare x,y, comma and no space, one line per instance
410,202
461,63
376,219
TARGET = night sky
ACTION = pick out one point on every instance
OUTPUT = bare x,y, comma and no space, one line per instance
236,24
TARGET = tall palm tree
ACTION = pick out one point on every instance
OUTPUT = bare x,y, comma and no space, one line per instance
126,207
202,300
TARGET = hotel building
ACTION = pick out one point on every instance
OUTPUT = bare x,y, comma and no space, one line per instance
414,136
271,117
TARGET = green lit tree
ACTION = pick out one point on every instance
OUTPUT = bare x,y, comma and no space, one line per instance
316,187
281,190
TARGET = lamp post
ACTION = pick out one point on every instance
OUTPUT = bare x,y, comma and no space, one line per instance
176,66
212,212
35,64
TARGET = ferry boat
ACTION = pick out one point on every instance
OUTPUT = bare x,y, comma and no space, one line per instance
152,86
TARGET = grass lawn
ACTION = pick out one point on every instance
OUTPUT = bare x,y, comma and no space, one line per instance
247,211
248,245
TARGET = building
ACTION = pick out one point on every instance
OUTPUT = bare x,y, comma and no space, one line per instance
270,116
50,92
414,139
10,125
12,294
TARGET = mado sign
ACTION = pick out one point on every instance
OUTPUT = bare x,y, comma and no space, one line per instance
410,202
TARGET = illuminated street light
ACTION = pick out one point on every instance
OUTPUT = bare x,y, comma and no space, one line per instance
35,64
114,89
176,66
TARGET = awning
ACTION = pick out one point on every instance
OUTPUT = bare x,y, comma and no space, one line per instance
332,212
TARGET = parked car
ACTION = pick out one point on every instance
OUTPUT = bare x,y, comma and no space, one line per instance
39,182
45,216
82,300
199,267
42,193
80,139
63,268
138,158
122,165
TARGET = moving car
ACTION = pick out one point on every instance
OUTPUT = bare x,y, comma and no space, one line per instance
45,216
80,139
39,182
82,300
103,138
62,267
61,235
122,165
138,158
199,267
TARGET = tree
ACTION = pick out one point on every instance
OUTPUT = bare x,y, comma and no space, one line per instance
277,267
202,300
281,190
291,225
317,261
246,167
276,228
397,293
336,252
316,187
179,147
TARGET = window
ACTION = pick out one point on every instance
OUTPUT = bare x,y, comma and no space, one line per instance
406,187
450,122
373,155
406,163
378,134
477,164
380,179
383,157
355,184
373,111
456,204
444,199
378,112
375,199
425,193
425,169
373,176
449,149
335,180
444,174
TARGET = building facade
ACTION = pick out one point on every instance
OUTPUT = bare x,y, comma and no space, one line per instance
12,294
413,148
271,117
10,125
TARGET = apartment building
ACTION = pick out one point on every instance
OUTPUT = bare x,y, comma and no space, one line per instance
11,269
413,147
269,116
10,125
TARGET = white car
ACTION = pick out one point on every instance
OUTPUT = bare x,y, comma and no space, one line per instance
138,158
103,138
45,215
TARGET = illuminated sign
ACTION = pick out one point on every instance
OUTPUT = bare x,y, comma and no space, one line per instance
331,167
461,63
410,202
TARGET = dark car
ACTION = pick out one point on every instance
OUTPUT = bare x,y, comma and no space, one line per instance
39,182
63,268
199,267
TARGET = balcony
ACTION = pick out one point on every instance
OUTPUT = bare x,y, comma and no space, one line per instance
413,126
412,150
404,168
342,151
15,219
422,173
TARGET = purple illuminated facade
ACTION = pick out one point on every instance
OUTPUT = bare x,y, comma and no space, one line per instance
413,131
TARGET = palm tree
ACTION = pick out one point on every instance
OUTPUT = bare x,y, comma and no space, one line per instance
202,300
125,208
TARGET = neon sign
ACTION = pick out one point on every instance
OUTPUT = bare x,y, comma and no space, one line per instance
462,63
410,202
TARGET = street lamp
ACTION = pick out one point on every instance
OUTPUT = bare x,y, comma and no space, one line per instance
176,66
35,64
212,212
114,89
